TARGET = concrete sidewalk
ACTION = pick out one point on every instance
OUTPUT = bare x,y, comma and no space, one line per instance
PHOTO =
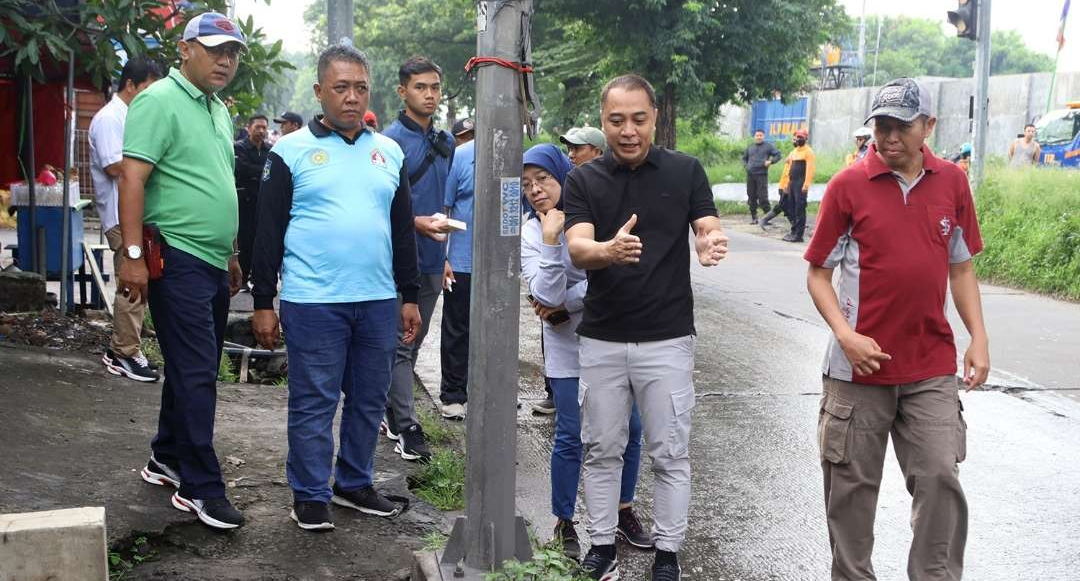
76,436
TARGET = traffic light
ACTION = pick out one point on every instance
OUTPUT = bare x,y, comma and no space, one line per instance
965,19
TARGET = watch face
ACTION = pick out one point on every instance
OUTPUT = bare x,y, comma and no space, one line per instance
134,252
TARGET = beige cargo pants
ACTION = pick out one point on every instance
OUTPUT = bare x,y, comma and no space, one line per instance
929,436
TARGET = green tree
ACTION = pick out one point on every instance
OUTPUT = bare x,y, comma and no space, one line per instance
703,54
37,34
916,47
392,32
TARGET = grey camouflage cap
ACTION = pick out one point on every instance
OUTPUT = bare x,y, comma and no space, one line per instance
903,99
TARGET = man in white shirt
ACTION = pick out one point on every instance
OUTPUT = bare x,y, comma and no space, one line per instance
123,356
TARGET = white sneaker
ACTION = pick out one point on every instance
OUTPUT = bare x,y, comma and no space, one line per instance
453,411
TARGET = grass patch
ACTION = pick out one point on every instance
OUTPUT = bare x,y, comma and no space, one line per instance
435,541
438,432
226,373
121,562
1030,223
152,351
547,564
730,208
441,482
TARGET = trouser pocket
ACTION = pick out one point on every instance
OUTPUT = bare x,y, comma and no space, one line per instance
682,403
834,428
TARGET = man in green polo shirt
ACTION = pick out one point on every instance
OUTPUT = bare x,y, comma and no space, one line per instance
177,175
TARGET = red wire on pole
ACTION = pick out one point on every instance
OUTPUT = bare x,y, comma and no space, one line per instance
478,61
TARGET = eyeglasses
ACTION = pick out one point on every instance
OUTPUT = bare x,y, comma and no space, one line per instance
228,50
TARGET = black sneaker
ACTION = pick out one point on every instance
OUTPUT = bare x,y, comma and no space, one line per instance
666,572
157,473
365,500
566,535
600,568
545,407
136,367
312,516
412,446
630,529
388,425
753,220
214,512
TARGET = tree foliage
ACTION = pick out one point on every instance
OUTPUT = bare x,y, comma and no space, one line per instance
702,54
391,32
39,34
918,47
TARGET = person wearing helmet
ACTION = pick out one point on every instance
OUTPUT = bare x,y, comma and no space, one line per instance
795,187
862,137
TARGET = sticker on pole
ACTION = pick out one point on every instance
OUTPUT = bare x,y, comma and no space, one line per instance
510,204
481,16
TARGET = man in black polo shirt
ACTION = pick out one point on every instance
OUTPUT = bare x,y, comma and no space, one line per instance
627,215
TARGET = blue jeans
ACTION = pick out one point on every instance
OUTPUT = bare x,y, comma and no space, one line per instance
566,454
336,348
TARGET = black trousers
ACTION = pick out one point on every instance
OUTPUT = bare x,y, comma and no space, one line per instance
245,234
757,192
454,343
798,215
190,306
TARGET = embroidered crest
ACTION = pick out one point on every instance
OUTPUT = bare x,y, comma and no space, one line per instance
946,226
377,158
320,157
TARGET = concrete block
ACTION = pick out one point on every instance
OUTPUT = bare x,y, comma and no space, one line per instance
425,566
52,545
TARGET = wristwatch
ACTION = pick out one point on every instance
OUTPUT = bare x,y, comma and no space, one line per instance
133,252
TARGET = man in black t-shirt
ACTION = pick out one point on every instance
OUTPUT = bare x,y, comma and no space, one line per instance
627,216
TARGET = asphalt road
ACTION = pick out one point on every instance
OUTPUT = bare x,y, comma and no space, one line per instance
757,509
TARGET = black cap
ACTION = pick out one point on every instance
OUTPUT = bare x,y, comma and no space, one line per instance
463,126
289,116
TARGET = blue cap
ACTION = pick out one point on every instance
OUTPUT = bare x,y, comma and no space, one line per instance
213,29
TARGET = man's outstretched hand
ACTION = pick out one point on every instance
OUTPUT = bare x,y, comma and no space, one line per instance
711,247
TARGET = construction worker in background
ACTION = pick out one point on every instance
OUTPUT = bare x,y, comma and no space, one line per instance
862,136
795,187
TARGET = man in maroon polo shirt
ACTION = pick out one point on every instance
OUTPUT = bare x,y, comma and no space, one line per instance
900,224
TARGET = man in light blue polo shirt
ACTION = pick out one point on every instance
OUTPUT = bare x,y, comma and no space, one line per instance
457,277
336,219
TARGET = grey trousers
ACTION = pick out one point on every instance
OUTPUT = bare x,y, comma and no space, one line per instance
930,438
658,375
400,399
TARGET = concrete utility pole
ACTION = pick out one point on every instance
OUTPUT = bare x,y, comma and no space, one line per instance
339,22
982,93
490,533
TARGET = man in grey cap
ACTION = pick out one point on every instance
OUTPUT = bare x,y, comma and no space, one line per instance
901,227
584,144
289,122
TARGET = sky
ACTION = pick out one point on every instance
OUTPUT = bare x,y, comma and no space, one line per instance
1036,20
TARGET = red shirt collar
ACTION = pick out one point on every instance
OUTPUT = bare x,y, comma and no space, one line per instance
875,167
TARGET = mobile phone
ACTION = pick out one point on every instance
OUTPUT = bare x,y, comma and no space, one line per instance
558,317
